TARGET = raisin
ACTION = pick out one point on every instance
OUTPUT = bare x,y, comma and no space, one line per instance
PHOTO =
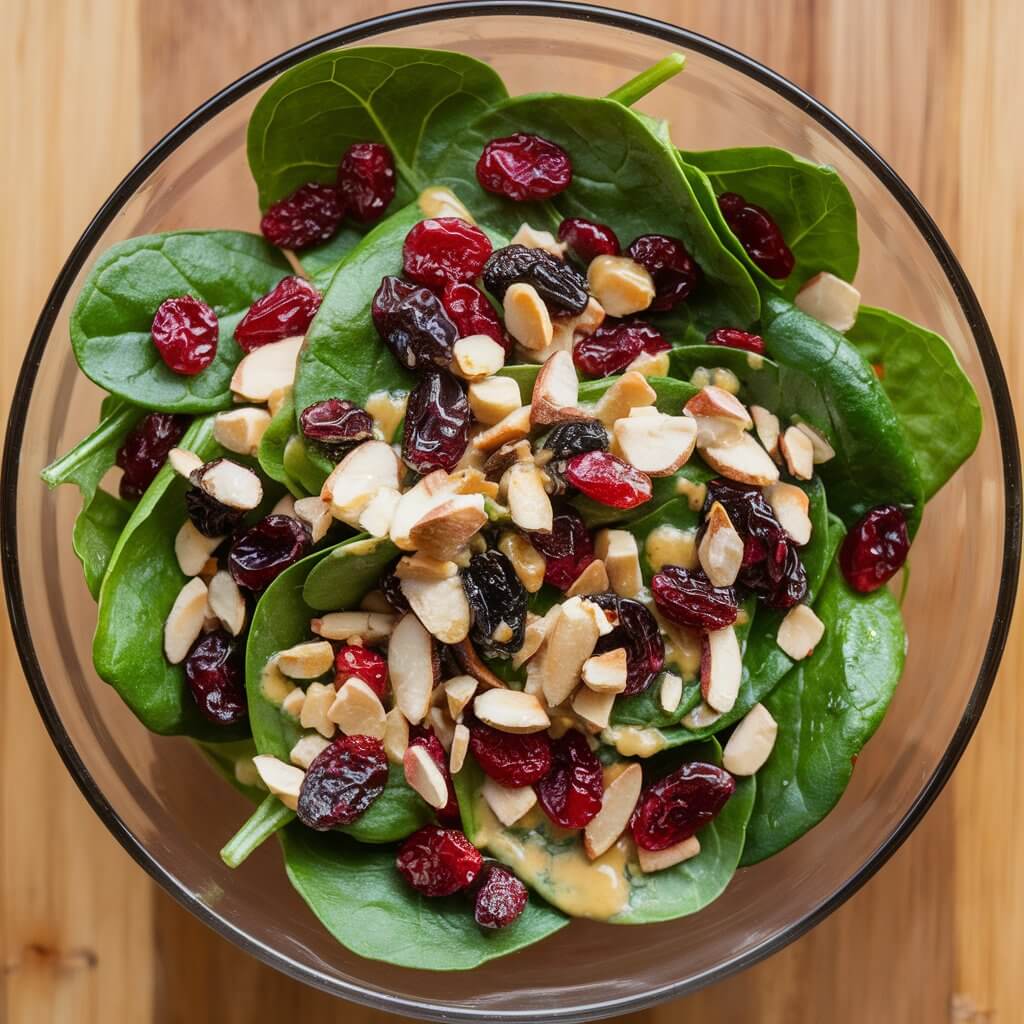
413,323
559,285
265,550
469,310
568,549
674,271
733,337
311,214
636,629
675,807
569,439
284,312
336,424
497,599
391,588
500,898
449,814
571,793
361,663
437,419
213,670
614,345
444,250
145,450
208,515
587,239
342,782
875,548
185,332
687,597
438,861
608,479
512,759
524,168
366,180
758,233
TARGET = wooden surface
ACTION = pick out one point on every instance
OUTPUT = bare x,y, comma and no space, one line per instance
935,85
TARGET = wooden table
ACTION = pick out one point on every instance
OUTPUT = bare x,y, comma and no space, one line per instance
935,85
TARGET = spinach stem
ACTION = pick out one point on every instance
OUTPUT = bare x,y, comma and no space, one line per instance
638,87
268,818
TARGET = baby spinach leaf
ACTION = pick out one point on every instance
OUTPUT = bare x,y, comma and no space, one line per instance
758,375
916,366
395,814
224,759
347,572
111,321
97,528
310,469
827,708
272,446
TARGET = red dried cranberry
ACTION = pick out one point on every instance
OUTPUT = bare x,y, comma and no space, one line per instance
145,450
185,333
366,180
778,584
637,631
614,345
500,898
687,597
213,669
309,215
437,419
568,549
587,239
265,550
732,337
675,807
471,313
510,758
284,312
608,479
414,324
342,782
449,814
674,271
571,793
875,548
438,861
363,663
444,250
758,233
336,423
524,168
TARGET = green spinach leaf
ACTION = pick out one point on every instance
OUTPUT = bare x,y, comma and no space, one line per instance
347,572
272,446
97,528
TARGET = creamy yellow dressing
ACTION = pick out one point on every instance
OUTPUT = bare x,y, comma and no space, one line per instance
388,411
755,360
718,376
694,493
669,545
634,741
682,647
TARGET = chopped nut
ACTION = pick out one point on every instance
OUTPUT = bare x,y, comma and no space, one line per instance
823,451
565,331
283,780
620,284
593,580
657,445
285,506
411,666
651,364
511,711
277,398
829,299
447,528
241,430
508,803
438,201
701,716
422,567
319,698
534,239
379,512
292,704
751,742
658,860
601,620
396,735
226,602
306,660
441,606
537,629
671,692
606,673
493,399
514,427
791,506
343,625
184,462
192,548
570,643
721,548
307,749
528,501
798,452
617,806
767,426
526,317
185,620
442,726
721,669
629,391
355,480
266,369
800,632
621,556
745,461
459,748
593,707
477,357
527,561
459,691
424,776
357,710
556,392
720,417
229,483
316,514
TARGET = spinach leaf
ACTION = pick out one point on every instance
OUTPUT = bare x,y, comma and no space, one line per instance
395,814
827,708
272,447
223,758
111,321
308,468
269,818
915,366
97,528
347,572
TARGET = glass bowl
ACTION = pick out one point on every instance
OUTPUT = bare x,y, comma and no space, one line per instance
157,796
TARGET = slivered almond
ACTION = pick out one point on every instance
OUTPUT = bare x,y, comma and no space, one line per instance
357,710
226,602
721,548
319,698
441,606
565,331
285,506
344,625
721,669
593,707
192,548
651,364
442,725
829,299
617,806
491,400
426,494
570,643
307,749
396,735
526,317
447,528
411,666
376,517
537,629
277,398
657,445
184,462
751,742
535,239
620,284
556,392
266,369
421,566
527,561
767,426
438,201
593,580
229,483
798,452
701,716
477,357
800,632
658,860
823,451
306,660
283,780
459,691
185,620
528,501
606,673
745,461
717,403
424,776
316,514
511,711
292,704
601,620
358,477
671,692
508,803
621,556
791,507
459,748
241,430
628,392
470,663
514,427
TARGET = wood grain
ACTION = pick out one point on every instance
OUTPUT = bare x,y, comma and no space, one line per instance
935,85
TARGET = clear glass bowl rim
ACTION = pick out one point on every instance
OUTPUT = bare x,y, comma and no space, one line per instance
675,36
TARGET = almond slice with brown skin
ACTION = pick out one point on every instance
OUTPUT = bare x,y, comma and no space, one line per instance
751,742
800,632
606,673
721,548
721,669
791,506
528,501
658,860
442,607
358,477
744,461
628,392
556,393
829,299
471,663
345,625
823,451
621,556
508,803
514,427
266,369
656,445
411,667
617,806
716,403
767,426
459,749
234,486
446,529
421,566
316,515
511,711
283,780
357,710
185,620
306,660
593,580
798,452
424,776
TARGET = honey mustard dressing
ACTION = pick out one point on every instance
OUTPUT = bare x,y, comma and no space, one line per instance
669,545
387,411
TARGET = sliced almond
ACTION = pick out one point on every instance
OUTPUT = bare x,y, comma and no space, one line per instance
446,529
266,369
658,860
285,506
229,483
592,707
358,477
798,452
526,317
593,580
601,620
721,669
529,564
277,398
621,556
651,364
620,284
751,742
508,803
192,548
791,506
283,780
438,201
528,501
829,299
306,660
376,517
606,673
477,357
411,667
514,427
534,239
307,749
441,606
315,708
396,735
493,399
184,462
511,711
617,806
701,717
628,392
767,426
226,602
292,704
719,415
241,430
537,629
656,445
823,451
745,461
442,726
316,514
459,691
345,625
185,620
556,392
459,749
570,643
421,566
357,710
721,548
424,776
671,692
565,331
800,632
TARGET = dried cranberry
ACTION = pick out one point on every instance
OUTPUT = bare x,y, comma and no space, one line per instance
568,549
342,782
362,663
571,793
636,629
675,807
758,233
391,588
608,479
437,419
778,585
265,550
213,669
513,759
438,861
449,814
587,239
185,332
733,337
366,180
414,324
209,516
524,168
500,898
576,437
674,271
309,215
469,310
614,345
336,424
687,597
497,599
284,312
875,548
145,450
561,286
444,250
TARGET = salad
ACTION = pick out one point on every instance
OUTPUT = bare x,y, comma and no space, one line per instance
511,516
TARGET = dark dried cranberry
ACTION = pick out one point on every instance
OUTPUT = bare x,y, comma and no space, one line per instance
524,168
185,332
675,807
674,271
687,597
568,549
733,337
471,313
437,419
500,898
342,782
391,588
438,861
512,759
571,793
444,250
145,450
449,814
778,585
578,436
875,548
208,515
558,284
361,663
284,312
213,668
336,424
608,479
497,599
637,631
587,239
414,324
614,345
309,215
265,550
758,233
366,180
